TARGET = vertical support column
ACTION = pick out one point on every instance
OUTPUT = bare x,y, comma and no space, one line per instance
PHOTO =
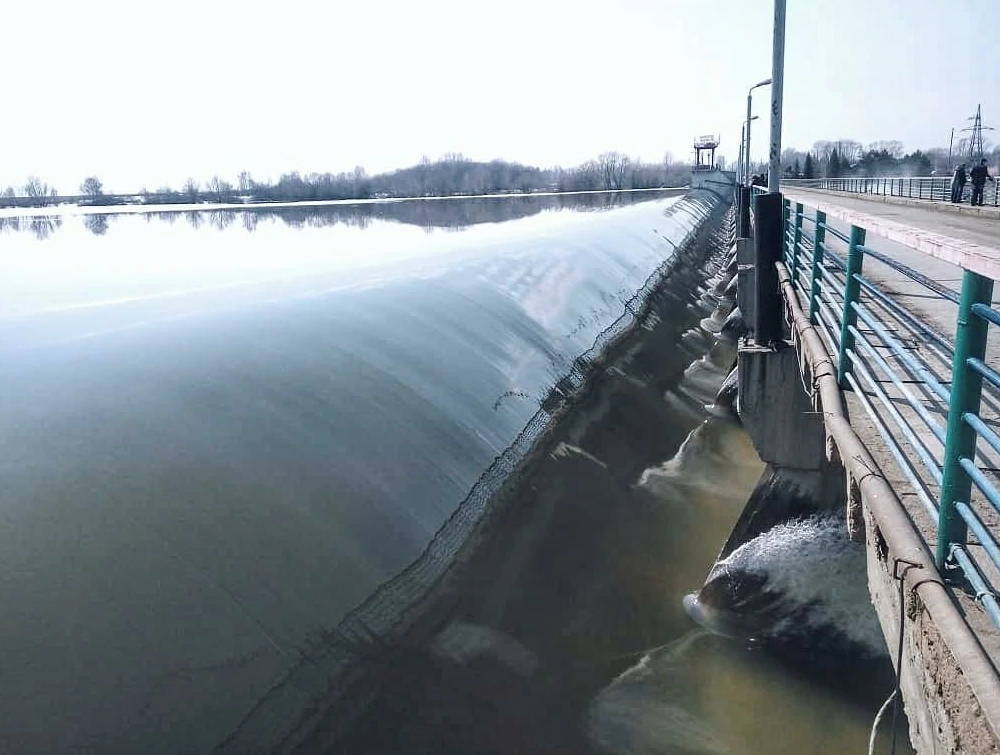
744,212
966,389
852,290
786,214
819,238
768,232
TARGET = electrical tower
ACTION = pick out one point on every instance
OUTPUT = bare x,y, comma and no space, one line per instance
976,142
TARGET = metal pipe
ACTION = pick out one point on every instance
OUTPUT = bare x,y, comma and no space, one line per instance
889,515
777,90
966,389
905,466
984,594
852,290
987,540
918,446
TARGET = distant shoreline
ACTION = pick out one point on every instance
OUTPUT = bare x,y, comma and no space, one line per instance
68,207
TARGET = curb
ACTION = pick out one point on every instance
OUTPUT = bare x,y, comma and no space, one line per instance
988,213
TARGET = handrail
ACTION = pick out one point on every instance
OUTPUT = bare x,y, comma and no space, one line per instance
861,322
905,545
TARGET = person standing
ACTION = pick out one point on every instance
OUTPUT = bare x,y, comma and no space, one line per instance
979,175
958,183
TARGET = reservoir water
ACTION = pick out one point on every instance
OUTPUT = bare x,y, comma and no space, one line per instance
222,431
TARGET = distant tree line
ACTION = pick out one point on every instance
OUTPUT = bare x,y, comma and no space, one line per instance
846,157
452,175
429,215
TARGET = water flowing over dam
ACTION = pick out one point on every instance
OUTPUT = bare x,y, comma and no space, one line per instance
440,494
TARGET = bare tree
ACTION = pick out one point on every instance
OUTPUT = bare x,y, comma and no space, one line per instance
35,188
245,182
614,167
892,148
849,150
221,188
191,189
92,188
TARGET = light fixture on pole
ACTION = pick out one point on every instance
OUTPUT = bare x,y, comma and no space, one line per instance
746,152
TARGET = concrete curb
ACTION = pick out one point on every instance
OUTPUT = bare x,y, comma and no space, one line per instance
984,260
989,213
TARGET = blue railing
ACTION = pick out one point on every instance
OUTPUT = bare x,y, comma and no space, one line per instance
907,391
930,188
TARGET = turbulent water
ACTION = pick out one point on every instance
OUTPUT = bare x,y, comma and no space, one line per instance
222,431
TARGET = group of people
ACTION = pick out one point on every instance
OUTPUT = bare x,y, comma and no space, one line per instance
977,175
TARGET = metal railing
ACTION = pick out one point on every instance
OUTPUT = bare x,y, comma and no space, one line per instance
930,188
899,368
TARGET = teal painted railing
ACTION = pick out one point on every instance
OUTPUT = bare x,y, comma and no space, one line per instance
900,367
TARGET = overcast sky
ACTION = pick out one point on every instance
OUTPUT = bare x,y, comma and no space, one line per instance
149,93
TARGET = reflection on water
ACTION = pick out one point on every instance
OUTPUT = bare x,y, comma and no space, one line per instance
447,213
40,226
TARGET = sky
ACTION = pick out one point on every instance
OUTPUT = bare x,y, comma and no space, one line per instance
146,94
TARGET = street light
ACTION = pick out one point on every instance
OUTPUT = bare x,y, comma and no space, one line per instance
746,152
743,141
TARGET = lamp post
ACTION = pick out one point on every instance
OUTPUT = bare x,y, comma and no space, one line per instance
746,152
743,141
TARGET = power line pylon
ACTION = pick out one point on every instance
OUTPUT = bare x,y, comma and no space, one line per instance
976,142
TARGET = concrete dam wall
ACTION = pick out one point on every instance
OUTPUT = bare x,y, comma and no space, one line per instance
477,563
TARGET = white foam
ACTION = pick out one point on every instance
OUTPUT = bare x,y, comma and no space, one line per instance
814,566
462,642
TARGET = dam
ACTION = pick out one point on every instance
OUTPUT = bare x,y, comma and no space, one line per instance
645,550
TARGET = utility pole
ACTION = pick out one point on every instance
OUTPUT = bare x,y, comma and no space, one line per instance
769,224
777,91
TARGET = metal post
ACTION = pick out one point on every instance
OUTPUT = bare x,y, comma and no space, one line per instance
750,118
777,90
786,213
966,388
746,152
739,164
767,251
819,238
796,243
852,290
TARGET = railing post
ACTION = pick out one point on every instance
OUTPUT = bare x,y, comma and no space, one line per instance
819,238
852,290
966,389
796,243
